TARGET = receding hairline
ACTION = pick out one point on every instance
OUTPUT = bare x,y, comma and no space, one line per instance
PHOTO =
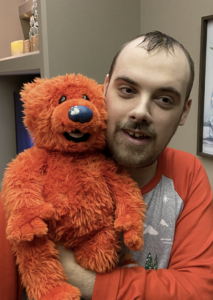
151,43
145,45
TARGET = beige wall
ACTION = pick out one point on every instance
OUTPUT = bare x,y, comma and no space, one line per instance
83,36
182,20
10,29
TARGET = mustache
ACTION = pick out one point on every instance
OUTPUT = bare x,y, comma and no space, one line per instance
142,126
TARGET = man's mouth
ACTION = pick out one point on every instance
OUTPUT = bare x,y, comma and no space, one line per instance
136,134
76,136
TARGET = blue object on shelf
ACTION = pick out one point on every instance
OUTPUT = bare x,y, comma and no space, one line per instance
23,139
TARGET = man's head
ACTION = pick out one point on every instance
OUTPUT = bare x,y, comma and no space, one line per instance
147,94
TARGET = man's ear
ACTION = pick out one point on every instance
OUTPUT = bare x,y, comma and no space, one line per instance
106,82
185,112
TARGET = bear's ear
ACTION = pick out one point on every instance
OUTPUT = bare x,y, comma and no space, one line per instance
101,86
29,87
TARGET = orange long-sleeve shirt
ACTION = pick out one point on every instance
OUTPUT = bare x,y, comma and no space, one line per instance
189,273
10,287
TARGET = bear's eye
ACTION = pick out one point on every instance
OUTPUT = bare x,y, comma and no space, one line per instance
62,99
85,97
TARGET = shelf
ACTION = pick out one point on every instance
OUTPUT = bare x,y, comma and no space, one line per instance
28,63
17,56
25,10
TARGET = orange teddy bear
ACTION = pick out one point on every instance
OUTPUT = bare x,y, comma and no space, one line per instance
65,189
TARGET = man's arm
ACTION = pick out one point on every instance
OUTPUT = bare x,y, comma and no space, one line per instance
10,286
190,272
77,276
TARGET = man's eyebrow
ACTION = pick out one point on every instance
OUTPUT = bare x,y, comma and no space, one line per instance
170,89
127,79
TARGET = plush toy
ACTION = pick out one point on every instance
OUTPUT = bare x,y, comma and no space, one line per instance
64,188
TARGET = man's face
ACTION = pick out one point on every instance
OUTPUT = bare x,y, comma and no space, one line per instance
145,103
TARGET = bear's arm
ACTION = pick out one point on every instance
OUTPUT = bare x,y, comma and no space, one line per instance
22,195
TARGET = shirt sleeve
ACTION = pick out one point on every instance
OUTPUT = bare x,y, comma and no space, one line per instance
10,286
190,272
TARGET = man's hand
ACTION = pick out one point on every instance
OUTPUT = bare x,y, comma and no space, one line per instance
77,276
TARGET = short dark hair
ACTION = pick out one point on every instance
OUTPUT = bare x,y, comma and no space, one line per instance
156,40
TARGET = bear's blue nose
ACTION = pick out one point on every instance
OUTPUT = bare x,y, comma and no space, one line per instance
80,114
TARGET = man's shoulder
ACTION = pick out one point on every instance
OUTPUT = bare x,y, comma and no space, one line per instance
184,169
180,165
179,158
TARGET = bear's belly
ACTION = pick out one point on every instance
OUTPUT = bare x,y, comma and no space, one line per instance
82,201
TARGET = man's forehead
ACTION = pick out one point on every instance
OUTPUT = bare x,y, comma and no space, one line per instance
138,43
175,54
134,43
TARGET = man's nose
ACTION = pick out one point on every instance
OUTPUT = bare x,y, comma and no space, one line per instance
141,110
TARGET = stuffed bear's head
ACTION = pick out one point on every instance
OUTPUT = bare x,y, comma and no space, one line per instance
65,113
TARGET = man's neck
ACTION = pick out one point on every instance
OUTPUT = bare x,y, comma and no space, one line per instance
143,175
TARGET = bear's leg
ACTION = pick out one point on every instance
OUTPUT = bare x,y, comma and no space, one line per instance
130,207
42,274
100,253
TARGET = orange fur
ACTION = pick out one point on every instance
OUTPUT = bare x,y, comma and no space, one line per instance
60,190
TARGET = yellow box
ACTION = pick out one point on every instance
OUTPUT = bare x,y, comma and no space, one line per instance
17,47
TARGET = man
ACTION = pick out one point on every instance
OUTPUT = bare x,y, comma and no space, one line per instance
147,95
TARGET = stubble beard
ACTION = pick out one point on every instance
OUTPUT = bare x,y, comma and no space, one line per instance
133,156
129,155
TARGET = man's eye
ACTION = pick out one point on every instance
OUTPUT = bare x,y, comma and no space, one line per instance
127,90
166,100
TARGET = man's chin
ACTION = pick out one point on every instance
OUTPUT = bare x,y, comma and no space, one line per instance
132,156
136,164
133,160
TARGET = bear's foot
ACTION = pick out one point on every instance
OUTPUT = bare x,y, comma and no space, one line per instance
63,292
